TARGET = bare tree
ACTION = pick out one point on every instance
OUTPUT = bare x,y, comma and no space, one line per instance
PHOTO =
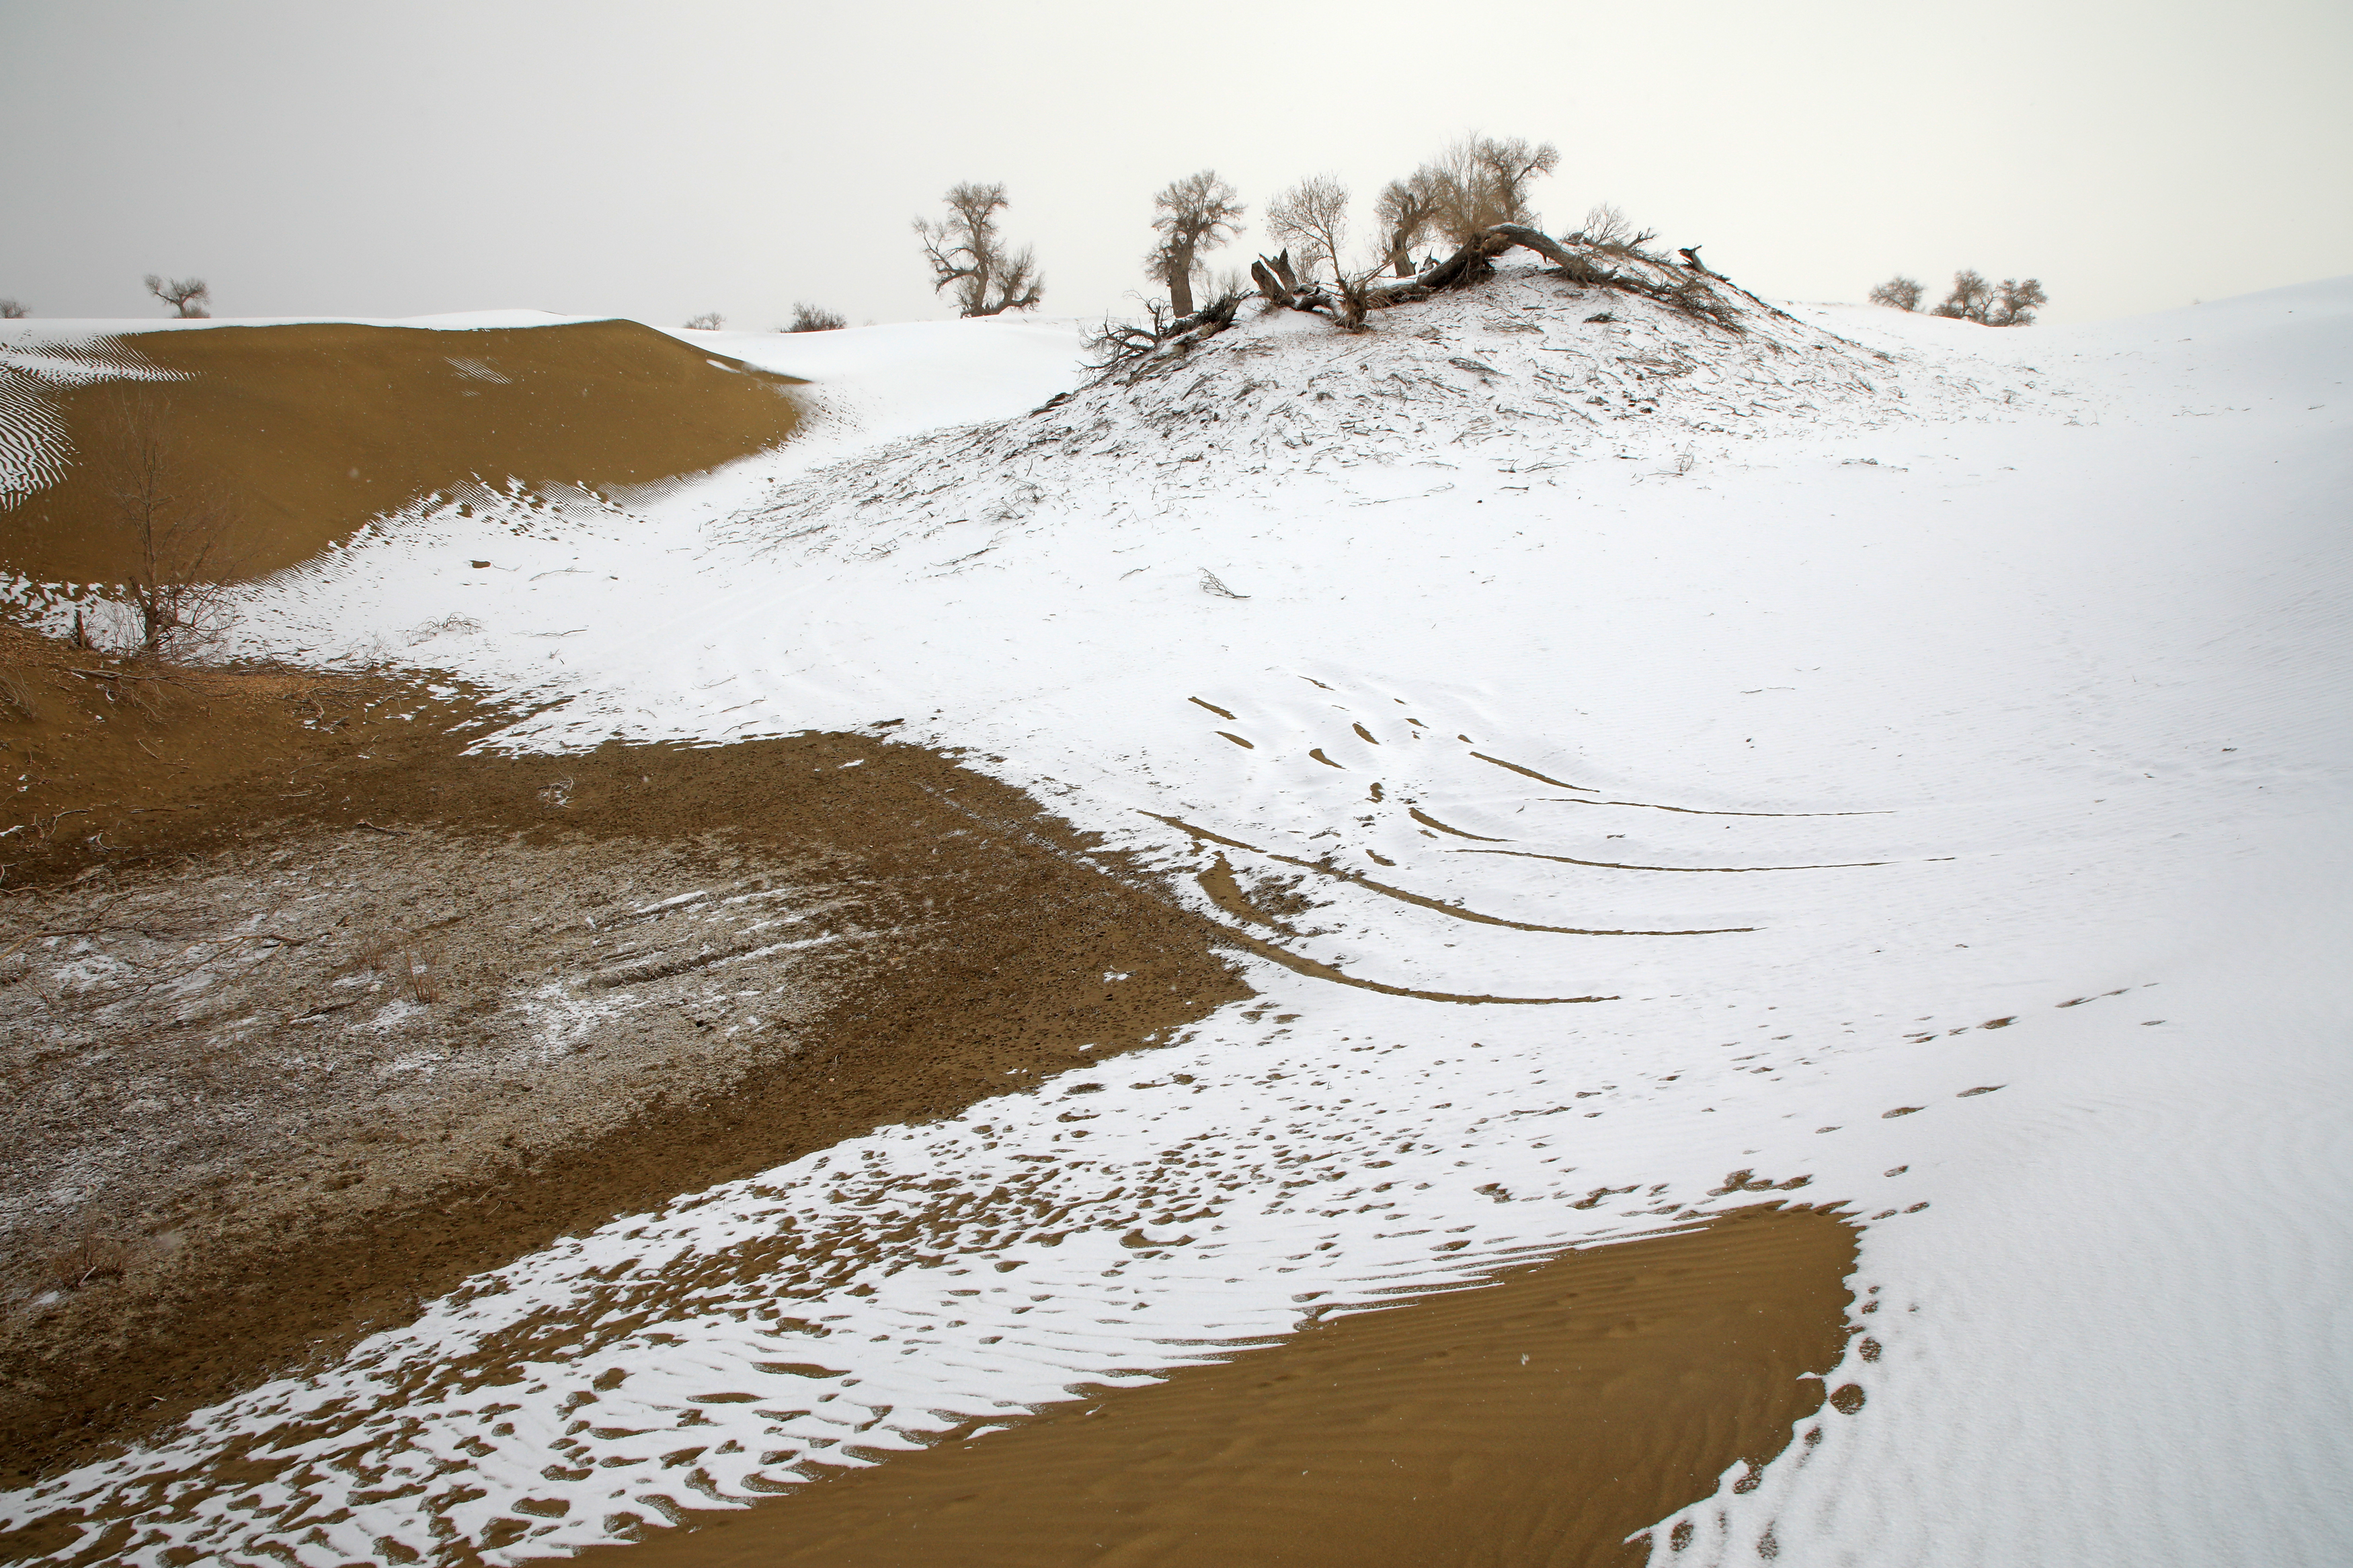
2012,304
967,255
709,321
1312,218
180,530
2017,302
816,318
1404,210
11,310
1483,181
191,297
1899,293
1194,215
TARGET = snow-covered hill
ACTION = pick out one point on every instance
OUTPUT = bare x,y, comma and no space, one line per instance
1868,752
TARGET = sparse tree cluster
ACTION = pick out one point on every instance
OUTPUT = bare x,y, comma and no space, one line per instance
709,321
1475,196
970,258
188,297
2010,303
1467,190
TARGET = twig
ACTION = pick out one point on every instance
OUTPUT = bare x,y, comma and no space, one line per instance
394,832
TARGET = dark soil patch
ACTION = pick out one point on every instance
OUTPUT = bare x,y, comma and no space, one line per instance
986,931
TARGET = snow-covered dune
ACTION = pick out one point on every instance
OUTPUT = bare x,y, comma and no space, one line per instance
1880,757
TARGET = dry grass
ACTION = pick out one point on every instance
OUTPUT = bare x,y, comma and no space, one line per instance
16,697
86,1261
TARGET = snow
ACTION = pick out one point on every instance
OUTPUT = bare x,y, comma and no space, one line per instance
1927,773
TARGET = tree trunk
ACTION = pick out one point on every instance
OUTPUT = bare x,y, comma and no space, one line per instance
1180,286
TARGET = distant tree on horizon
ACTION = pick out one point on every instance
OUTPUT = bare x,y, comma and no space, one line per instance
1194,215
1899,293
969,255
815,318
191,297
709,321
2012,304
11,310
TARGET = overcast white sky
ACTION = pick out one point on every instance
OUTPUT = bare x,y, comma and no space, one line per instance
657,161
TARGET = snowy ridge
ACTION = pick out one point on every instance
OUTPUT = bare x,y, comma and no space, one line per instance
1943,797
1524,374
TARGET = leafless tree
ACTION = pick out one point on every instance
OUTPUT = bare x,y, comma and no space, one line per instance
1194,215
1312,218
2017,302
1404,210
1483,181
969,255
709,321
2012,304
1899,293
190,296
816,318
180,529
11,310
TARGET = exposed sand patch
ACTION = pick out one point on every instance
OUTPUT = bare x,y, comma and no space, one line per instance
316,428
1537,1420
374,1015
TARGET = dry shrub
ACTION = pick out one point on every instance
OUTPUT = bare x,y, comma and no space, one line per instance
16,693
86,1261
807,318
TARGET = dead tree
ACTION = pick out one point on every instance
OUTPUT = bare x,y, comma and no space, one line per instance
968,255
1194,215
1127,343
189,296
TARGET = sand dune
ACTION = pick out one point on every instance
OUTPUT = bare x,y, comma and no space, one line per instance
316,427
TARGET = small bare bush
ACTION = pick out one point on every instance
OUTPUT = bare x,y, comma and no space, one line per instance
1899,293
816,318
11,310
1608,228
709,321
181,529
